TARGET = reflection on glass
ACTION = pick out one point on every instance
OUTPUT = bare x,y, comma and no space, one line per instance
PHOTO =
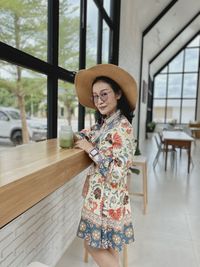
159,110
176,65
105,44
188,111
67,105
23,101
191,59
190,85
91,42
174,85
24,26
160,86
69,34
173,110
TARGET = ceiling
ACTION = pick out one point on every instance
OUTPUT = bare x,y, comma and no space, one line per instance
174,25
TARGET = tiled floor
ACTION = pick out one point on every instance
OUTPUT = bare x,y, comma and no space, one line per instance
169,234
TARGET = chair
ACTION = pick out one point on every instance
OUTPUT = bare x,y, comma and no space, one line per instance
125,256
140,161
161,148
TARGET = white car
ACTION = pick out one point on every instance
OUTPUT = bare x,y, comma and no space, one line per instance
11,126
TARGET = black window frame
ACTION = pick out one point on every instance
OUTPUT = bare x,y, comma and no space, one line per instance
51,68
182,73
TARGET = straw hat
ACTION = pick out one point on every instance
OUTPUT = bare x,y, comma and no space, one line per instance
84,79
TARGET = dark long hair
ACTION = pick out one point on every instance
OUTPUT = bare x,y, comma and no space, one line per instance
122,103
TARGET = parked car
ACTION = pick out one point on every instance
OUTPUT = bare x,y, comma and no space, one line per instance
11,126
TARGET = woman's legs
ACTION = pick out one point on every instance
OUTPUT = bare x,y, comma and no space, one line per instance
104,257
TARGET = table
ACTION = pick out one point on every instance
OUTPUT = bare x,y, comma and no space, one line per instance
29,173
177,139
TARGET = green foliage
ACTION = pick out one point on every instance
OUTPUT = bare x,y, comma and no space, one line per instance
6,98
151,126
68,36
137,153
134,170
24,25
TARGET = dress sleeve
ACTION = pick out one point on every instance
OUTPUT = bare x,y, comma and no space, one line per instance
116,151
87,133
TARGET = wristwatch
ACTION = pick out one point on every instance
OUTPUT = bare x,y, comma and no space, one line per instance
93,152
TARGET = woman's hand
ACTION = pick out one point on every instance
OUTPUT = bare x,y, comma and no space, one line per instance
84,144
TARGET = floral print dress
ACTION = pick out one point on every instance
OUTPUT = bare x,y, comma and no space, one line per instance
106,214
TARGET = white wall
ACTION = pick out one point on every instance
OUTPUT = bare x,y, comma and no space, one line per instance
198,105
130,44
130,53
44,232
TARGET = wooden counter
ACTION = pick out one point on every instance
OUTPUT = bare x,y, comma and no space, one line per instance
29,173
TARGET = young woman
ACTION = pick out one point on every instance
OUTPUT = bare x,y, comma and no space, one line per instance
105,223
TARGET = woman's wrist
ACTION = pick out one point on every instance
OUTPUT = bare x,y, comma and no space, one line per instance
89,149
93,152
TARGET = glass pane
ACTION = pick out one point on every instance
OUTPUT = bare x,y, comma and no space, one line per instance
190,85
23,100
160,86
164,70
105,43
159,110
174,85
191,59
24,26
89,117
69,13
176,65
67,105
91,42
195,42
188,111
106,4
173,110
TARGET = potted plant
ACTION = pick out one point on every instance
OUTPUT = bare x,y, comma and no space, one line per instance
151,126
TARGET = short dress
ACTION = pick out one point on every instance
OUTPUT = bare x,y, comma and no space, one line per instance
106,220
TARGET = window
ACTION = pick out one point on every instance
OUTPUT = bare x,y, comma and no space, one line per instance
106,4
24,104
91,41
175,87
105,43
160,86
176,65
34,30
69,16
191,59
24,26
67,105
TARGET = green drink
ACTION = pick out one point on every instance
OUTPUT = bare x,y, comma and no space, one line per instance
66,137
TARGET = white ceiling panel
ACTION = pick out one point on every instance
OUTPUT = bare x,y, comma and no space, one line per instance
176,45
166,28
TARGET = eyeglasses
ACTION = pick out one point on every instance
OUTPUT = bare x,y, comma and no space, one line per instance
103,96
